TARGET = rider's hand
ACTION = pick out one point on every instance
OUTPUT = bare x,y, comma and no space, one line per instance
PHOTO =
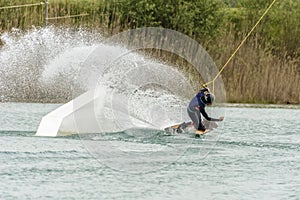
221,118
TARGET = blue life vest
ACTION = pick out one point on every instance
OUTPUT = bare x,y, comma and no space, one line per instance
200,102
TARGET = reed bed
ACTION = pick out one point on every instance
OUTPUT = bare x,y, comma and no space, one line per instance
21,17
256,76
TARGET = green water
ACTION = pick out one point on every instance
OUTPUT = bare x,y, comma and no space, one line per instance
254,154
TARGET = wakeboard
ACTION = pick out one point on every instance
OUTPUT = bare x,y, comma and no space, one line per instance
187,127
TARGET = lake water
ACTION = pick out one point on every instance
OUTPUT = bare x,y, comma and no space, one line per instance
255,154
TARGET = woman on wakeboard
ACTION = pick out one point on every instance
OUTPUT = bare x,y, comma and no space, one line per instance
197,107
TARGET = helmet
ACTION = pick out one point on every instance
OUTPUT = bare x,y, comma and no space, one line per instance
209,98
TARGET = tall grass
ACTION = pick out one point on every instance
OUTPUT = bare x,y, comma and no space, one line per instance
257,76
26,17
23,17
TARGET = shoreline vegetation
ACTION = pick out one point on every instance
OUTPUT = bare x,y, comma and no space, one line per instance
265,70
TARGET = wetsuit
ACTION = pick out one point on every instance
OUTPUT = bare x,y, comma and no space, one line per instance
195,114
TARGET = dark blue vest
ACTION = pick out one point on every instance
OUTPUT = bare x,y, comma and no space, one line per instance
200,102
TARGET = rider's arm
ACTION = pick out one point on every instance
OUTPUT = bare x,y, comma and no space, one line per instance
205,115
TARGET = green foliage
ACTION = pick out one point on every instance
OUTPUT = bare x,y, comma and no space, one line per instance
278,32
198,19
282,32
